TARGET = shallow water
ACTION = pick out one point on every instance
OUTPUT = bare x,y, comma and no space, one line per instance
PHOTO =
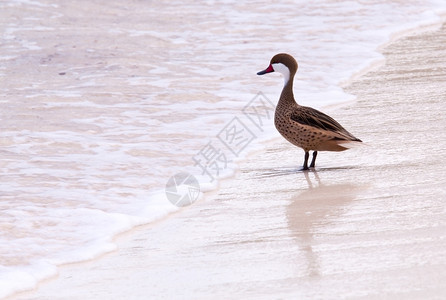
102,102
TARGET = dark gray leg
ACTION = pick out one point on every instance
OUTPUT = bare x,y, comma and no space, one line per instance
313,161
307,155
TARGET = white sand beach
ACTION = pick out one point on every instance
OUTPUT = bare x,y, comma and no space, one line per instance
368,223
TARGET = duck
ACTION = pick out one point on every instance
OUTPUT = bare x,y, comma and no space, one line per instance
303,126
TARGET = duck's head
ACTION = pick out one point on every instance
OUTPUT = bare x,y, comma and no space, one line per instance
282,63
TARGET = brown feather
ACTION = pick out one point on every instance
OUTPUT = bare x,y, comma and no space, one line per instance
311,117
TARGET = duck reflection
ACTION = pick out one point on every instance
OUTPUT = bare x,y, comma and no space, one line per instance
315,208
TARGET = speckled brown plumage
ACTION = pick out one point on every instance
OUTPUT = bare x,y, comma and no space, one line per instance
304,126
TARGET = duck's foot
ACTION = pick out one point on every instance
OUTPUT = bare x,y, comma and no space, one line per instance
313,161
305,166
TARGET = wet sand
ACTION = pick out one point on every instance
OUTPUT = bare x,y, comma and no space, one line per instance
368,223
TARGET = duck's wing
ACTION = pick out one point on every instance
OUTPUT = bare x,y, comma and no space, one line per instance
311,117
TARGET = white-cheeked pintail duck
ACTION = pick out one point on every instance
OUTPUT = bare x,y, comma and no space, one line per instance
303,126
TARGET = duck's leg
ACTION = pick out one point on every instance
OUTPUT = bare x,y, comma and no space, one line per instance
307,155
313,161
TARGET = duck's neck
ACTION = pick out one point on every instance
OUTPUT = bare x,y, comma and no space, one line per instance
287,96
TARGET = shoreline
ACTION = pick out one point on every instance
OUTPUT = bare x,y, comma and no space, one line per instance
49,52
302,237
419,29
